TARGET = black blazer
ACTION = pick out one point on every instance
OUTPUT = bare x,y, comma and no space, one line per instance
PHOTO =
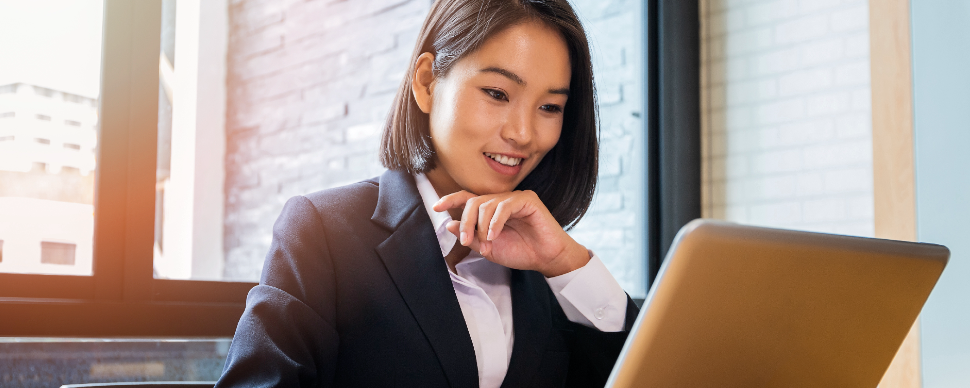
355,292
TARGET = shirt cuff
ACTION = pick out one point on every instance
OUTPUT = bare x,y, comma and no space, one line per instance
590,296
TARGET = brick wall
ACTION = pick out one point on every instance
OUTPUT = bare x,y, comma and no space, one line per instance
787,119
309,86
613,226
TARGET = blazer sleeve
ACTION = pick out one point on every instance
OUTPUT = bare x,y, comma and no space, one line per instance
592,352
286,336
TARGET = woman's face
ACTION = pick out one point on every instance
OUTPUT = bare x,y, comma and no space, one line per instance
499,110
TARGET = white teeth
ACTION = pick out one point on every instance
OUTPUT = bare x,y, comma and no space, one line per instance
505,160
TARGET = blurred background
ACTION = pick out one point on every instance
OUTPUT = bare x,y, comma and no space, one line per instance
262,100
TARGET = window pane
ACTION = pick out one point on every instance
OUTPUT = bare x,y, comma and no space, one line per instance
260,103
49,89
190,173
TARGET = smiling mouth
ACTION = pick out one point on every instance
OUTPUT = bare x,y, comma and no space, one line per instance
504,160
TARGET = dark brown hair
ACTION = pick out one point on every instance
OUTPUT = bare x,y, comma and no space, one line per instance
565,179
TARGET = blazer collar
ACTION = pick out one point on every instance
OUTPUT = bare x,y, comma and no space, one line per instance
397,195
414,261
416,265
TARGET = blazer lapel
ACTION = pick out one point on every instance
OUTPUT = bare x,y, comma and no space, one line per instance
532,322
413,259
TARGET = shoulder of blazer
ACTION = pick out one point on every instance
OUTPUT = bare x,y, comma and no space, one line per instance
388,200
355,197
299,261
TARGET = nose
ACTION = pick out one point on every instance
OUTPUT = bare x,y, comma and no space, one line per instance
520,128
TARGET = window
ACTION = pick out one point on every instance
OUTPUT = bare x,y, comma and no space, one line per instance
118,296
72,146
47,193
72,123
7,114
191,145
77,99
42,91
57,253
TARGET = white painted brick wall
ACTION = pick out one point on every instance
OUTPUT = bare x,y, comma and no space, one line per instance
613,226
786,100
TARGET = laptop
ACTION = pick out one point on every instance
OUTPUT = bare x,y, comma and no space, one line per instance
745,306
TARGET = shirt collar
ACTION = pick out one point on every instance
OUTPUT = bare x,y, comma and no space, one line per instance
446,240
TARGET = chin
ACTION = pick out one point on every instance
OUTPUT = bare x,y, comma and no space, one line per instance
491,186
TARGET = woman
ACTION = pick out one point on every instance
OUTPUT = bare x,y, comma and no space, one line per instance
453,267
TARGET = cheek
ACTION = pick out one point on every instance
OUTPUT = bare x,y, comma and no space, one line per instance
548,135
442,116
460,120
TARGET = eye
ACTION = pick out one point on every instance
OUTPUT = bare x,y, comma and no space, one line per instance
496,94
551,108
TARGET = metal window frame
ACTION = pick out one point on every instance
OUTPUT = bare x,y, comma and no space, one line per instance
673,130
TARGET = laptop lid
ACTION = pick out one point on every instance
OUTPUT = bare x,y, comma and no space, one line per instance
744,306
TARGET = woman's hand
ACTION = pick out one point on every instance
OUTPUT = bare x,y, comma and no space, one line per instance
515,230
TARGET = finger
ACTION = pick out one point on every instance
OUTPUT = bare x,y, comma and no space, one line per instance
453,200
503,211
484,248
476,244
469,217
453,227
485,212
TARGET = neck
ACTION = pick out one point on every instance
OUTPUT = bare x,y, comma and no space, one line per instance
443,185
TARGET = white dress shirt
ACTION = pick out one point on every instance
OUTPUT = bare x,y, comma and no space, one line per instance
589,296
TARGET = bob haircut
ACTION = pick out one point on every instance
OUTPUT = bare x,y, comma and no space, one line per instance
565,179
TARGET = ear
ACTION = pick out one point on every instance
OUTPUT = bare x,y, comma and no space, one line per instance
422,82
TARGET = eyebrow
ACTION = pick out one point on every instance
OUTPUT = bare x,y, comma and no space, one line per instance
515,78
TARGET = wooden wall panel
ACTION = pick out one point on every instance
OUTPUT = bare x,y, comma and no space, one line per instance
892,141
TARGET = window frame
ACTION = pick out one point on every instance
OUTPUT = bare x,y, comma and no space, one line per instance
122,298
673,125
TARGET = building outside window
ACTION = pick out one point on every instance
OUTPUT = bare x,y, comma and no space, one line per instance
49,86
